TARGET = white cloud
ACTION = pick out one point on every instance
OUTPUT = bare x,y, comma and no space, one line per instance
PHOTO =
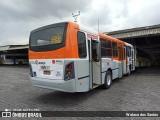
18,18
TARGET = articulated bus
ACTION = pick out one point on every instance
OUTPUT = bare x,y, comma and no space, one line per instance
72,58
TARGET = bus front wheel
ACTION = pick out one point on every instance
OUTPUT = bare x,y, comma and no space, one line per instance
108,80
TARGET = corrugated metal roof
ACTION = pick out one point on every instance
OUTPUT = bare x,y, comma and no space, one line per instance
136,32
3,48
133,29
13,47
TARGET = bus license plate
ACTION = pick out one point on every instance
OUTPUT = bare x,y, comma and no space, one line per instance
46,72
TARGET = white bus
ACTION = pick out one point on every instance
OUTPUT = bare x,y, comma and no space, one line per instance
71,58
11,59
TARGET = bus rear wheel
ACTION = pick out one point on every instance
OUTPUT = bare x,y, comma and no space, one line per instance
108,80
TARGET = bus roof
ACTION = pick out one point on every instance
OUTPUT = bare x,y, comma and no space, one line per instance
83,28
111,38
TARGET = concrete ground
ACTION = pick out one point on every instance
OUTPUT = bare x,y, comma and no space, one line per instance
138,92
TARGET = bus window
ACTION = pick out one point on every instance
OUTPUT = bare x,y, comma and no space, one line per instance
106,50
129,51
115,50
103,50
120,53
82,44
48,38
9,57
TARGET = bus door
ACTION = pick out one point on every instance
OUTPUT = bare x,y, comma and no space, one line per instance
95,66
133,59
120,52
124,61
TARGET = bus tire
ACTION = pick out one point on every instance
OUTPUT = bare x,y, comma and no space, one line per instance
108,80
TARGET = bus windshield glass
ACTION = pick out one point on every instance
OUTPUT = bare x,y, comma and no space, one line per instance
48,38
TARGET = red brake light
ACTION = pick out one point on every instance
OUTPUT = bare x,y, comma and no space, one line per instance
69,71
53,61
69,66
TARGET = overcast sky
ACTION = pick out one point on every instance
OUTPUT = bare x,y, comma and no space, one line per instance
19,17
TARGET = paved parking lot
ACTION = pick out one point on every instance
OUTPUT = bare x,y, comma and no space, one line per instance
139,91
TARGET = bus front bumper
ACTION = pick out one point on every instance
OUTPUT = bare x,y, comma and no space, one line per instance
60,85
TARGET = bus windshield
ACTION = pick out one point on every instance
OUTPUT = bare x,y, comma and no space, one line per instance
48,38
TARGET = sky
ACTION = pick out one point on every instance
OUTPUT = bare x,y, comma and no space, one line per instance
19,17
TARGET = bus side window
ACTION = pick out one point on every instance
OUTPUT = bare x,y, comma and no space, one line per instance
81,44
120,53
115,49
128,51
106,48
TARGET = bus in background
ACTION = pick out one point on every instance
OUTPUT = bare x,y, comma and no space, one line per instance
72,58
11,59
